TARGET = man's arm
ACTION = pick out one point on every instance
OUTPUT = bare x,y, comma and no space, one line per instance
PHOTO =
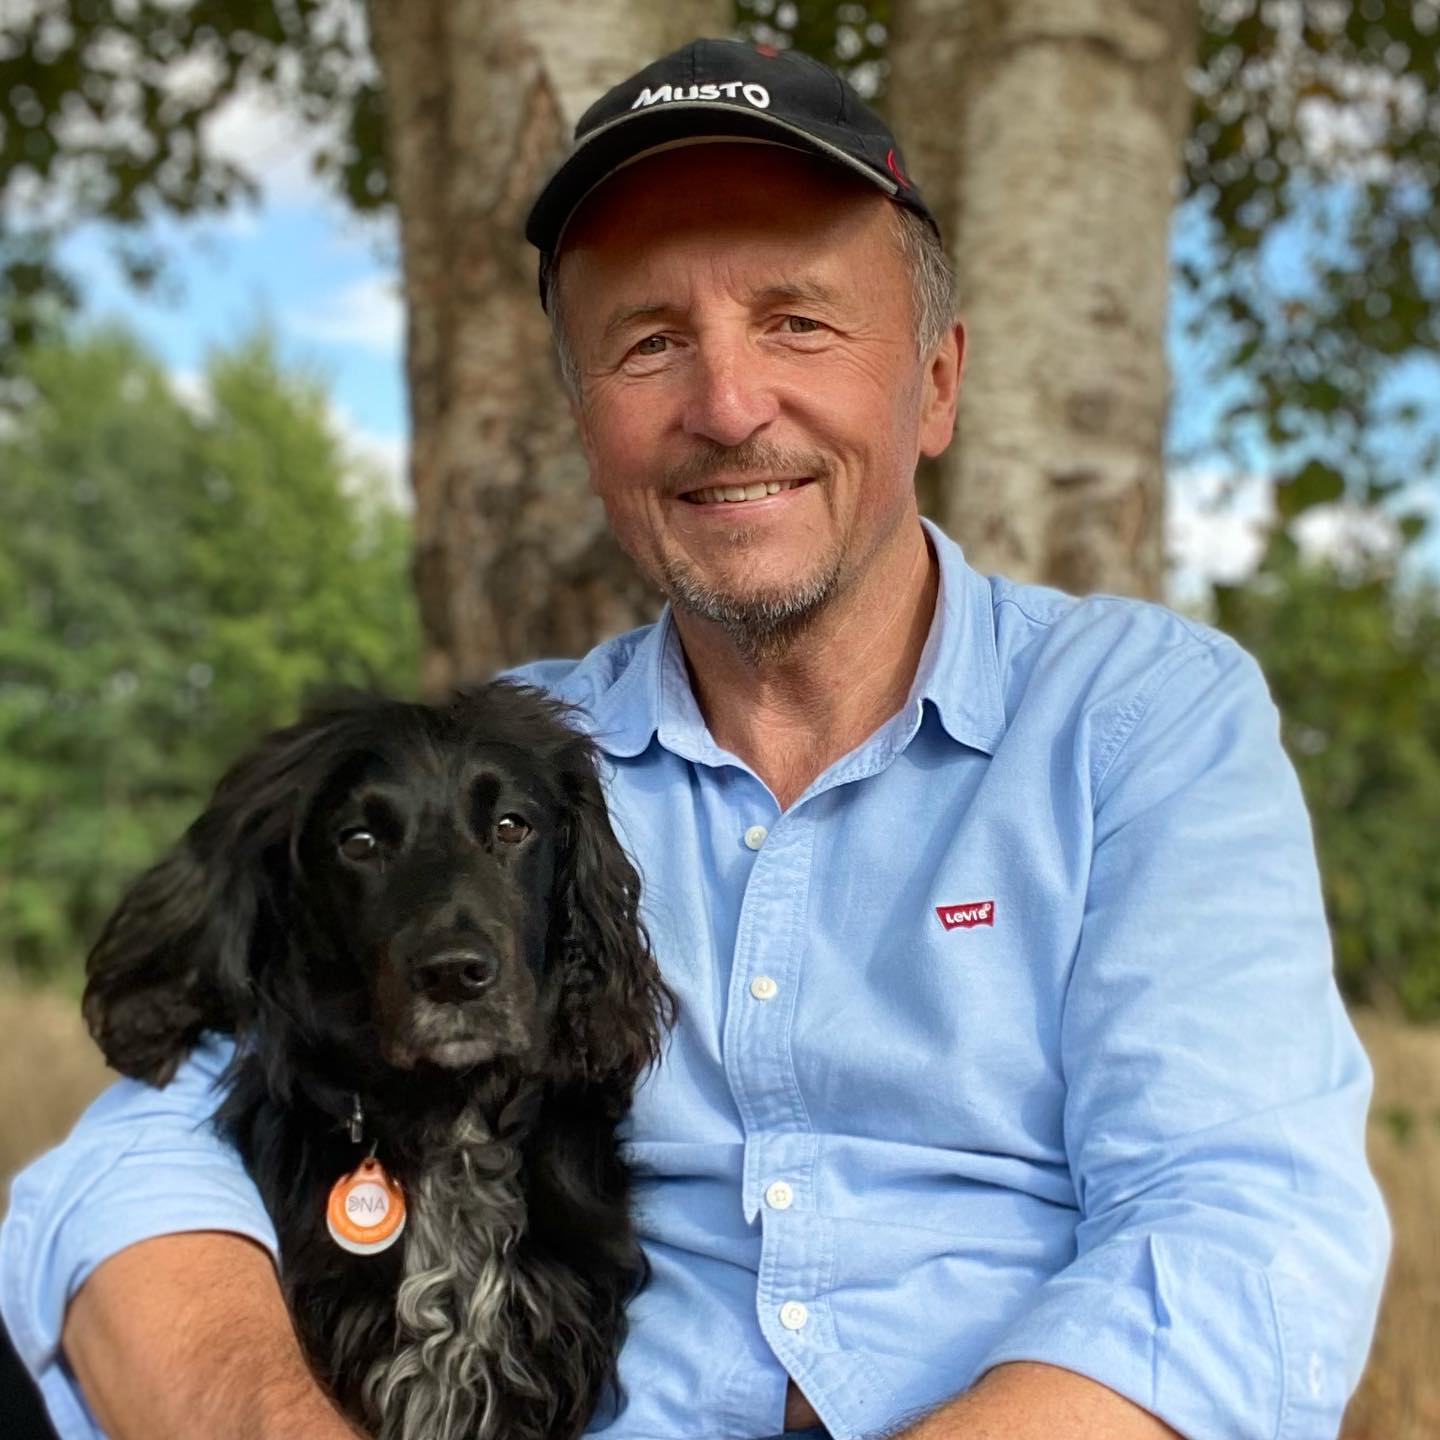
1038,1402
1231,1242
139,1251
188,1335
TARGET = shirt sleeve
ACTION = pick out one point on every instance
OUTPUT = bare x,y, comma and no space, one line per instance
1232,1242
140,1162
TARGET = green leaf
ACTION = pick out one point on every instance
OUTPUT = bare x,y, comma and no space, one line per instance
1316,483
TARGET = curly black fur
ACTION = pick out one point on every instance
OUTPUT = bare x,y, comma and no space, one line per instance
424,907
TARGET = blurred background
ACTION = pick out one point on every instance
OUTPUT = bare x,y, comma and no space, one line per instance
278,410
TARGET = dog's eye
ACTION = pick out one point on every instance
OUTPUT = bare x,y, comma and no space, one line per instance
511,829
359,845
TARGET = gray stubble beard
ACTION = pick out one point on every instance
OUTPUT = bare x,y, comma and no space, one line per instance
764,624
761,626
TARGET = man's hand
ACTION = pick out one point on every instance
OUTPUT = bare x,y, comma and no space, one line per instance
1028,1401
188,1335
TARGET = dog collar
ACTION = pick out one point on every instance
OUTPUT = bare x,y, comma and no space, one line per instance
365,1211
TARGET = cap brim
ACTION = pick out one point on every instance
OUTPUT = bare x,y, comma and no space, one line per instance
609,147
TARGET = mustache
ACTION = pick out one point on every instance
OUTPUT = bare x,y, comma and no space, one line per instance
762,459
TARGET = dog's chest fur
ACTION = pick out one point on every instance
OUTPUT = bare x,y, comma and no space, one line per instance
464,1280
475,1325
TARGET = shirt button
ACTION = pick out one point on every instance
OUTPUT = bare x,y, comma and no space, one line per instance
779,1196
793,1315
755,836
762,987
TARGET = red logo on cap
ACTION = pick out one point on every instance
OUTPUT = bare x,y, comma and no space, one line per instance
895,168
967,917
768,51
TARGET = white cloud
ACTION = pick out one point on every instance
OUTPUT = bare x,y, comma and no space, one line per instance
192,389
1350,535
377,458
366,313
274,146
1216,524
1214,529
374,460
1347,130
386,457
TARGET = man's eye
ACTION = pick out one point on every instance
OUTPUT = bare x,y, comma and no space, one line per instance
652,345
359,845
801,324
511,829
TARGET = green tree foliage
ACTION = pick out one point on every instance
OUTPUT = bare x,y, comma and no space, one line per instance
1313,171
174,578
850,35
103,111
1315,164
1354,665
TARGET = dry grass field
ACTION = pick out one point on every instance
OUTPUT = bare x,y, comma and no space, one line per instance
1399,1398
49,1071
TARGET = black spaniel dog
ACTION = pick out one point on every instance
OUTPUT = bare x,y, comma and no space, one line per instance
418,925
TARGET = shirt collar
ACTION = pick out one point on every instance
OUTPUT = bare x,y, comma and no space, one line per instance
958,674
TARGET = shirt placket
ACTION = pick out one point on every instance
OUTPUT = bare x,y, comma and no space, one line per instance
778,1188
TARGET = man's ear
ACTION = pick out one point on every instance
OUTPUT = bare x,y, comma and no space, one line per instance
941,391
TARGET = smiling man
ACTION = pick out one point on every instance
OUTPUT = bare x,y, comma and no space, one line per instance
752,405
1011,1094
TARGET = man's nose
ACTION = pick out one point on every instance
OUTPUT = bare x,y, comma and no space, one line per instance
730,397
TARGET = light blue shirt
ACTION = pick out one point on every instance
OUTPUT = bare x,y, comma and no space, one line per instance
1014,1037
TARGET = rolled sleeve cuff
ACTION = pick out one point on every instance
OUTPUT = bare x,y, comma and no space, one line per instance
123,1176
1216,1347
52,1247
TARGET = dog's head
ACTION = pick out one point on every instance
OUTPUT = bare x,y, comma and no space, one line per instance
397,885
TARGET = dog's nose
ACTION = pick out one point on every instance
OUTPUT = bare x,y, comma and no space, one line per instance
454,977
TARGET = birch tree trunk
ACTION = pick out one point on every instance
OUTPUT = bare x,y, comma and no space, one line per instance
1048,134
512,557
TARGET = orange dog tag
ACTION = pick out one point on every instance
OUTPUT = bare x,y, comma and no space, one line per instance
366,1210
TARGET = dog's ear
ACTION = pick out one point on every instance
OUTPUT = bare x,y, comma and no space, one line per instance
182,949
173,960
614,1005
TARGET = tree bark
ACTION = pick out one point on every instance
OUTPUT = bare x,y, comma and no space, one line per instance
1048,135
512,558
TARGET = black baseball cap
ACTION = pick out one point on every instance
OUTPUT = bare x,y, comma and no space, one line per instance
718,89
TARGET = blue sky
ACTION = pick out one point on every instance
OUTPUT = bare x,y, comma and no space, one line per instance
323,282
326,284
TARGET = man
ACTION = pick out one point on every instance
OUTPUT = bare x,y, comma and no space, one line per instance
1011,1094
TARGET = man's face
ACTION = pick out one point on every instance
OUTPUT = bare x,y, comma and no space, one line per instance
752,404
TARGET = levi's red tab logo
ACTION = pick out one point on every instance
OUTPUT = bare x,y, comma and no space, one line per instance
967,917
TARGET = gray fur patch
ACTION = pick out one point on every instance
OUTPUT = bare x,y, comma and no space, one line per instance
457,1342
